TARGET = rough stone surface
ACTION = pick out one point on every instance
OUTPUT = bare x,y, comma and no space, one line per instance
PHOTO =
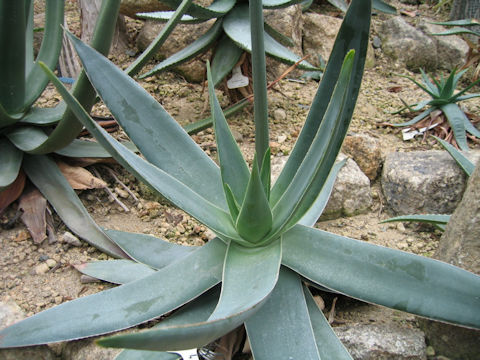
423,182
408,45
460,246
366,152
351,193
382,342
451,51
88,350
319,33
10,313
131,7
183,35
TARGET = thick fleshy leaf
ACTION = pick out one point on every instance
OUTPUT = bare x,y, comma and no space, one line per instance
179,337
383,7
190,51
462,22
164,16
339,4
90,149
45,175
159,40
237,27
7,119
277,4
26,138
10,163
457,31
146,355
470,128
417,118
227,54
281,329
123,306
328,344
312,215
254,220
44,116
277,35
461,159
257,267
233,167
456,118
353,34
384,276
49,52
158,136
149,250
217,9
438,220
175,191
319,160
12,61
115,271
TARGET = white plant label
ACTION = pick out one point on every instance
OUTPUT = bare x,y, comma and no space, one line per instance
237,80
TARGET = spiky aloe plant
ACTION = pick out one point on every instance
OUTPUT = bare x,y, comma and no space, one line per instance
445,99
252,272
29,135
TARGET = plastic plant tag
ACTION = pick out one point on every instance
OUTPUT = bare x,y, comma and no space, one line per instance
237,80
187,354
410,133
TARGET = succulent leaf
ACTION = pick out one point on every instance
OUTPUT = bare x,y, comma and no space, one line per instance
116,271
461,159
92,149
456,118
10,163
226,56
217,9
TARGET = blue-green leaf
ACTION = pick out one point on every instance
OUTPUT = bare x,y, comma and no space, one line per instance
257,267
190,51
384,276
456,118
437,220
328,344
46,176
149,250
115,271
226,56
277,4
91,149
416,119
217,9
123,306
281,329
384,7
10,163
233,167
461,159
26,138
44,116
237,27
353,34
8,119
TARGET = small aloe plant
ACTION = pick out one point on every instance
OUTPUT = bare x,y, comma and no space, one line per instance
445,99
29,135
252,272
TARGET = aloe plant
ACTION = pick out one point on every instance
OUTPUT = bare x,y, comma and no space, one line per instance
30,135
252,272
444,98
439,220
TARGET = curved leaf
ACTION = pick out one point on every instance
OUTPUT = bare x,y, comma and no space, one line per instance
417,118
461,159
384,7
339,4
44,116
233,168
189,52
158,136
123,306
457,31
281,329
227,55
217,9
115,271
437,220
353,34
155,45
456,118
277,4
49,52
26,138
328,344
164,16
470,128
462,22
91,149
257,267
175,191
384,276
45,175
6,119
10,163
149,250
237,26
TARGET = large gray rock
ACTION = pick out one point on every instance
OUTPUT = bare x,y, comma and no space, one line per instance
10,313
408,45
460,246
423,182
382,342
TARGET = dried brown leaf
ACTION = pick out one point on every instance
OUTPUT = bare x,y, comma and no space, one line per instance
80,178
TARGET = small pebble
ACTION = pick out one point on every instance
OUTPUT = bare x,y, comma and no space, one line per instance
43,258
401,227
41,269
51,263
279,115
71,239
122,193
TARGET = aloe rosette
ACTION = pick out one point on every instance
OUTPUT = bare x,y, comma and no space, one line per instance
29,135
252,272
